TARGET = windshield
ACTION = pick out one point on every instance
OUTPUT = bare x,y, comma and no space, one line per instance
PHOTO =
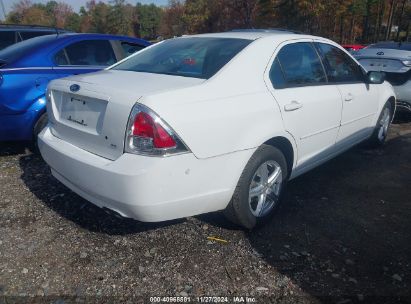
391,45
189,57
15,51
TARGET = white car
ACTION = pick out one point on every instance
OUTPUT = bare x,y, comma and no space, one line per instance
210,122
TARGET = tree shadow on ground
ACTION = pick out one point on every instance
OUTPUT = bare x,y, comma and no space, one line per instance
38,179
8,148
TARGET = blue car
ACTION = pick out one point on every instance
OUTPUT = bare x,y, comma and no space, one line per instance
27,67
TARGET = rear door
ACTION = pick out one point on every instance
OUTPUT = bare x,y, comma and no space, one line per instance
311,109
359,98
84,56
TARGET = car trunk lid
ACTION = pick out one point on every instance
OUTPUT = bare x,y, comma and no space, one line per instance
91,111
386,60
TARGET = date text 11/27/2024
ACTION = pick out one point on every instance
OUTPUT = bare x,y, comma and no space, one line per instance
205,299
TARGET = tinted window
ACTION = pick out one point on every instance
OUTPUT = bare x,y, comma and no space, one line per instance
276,75
32,34
17,50
189,57
87,52
391,45
61,58
340,66
301,65
6,39
131,48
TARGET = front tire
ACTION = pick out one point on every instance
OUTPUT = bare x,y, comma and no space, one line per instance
380,133
259,189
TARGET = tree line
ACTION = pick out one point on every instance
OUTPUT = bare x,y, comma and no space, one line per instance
345,21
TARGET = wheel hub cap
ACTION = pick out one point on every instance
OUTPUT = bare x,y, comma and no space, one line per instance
265,188
384,125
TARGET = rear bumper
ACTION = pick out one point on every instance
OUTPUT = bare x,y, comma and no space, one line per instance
148,189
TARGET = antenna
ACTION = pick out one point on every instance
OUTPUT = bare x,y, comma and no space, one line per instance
3,8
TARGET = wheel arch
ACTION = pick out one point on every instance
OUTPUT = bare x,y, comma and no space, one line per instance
392,101
286,147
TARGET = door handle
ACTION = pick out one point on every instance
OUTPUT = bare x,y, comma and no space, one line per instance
294,105
349,97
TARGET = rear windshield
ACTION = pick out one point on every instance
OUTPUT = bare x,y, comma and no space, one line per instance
15,51
391,45
7,38
189,57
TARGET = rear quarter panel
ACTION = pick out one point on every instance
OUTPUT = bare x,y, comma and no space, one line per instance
22,87
230,112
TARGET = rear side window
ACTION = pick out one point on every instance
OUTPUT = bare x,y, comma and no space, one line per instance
340,67
7,38
130,48
87,53
189,57
276,75
300,65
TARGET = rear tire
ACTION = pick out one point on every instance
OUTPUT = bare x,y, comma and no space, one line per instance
259,188
38,127
380,133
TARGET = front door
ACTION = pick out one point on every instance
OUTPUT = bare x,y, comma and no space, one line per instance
359,98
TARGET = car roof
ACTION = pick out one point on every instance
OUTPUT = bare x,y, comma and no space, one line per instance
30,28
59,38
250,34
96,35
47,43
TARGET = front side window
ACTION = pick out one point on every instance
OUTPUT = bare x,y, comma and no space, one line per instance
340,67
87,53
300,65
189,57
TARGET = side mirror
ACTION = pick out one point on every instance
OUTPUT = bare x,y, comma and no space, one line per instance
376,77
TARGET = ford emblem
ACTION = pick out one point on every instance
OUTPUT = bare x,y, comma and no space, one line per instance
380,53
74,88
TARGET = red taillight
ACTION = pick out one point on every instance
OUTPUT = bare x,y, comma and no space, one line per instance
148,134
145,126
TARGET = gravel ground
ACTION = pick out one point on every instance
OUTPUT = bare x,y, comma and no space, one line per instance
342,235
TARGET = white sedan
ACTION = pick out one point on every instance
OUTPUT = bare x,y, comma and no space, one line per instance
211,122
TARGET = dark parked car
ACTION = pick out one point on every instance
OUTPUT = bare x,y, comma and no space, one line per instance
27,67
12,33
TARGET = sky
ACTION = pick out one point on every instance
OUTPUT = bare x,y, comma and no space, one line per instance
76,4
